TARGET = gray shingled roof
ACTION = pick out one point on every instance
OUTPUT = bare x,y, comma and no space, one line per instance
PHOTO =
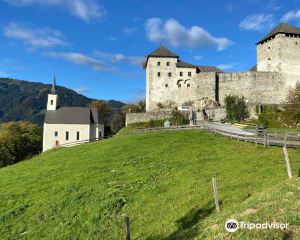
182,64
162,52
209,69
72,115
281,28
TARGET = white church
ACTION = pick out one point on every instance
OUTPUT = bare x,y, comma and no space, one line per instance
68,126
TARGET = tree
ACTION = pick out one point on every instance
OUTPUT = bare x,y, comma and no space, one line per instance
236,108
292,105
117,122
19,141
101,106
135,108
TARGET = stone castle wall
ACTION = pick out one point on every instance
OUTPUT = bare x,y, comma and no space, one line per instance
145,117
258,88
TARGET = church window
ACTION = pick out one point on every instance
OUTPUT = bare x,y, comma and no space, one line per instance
56,134
188,85
166,85
168,63
77,135
67,136
51,102
189,74
169,74
158,63
181,74
158,74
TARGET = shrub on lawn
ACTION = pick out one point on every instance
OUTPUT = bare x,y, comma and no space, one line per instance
179,118
236,108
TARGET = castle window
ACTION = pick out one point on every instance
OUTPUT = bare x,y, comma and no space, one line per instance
181,74
189,74
168,63
55,134
158,74
179,85
269,59
67,136
77,135
166,85
169,74
51,102
269,47
158,63
188,85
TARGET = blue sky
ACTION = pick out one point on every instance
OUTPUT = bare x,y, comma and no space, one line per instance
96,46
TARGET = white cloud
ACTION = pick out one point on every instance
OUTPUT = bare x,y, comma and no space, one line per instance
177,35
227,66
86,10
258,22
111,39
130,30
33,37
81,90
291,16
80,59
118,57
198,57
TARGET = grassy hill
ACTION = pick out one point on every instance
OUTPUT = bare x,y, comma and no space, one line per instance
22,100
161,180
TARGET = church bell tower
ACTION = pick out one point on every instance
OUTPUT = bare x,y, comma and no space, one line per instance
52,97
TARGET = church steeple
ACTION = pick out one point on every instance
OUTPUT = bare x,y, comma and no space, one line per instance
52,97
53,89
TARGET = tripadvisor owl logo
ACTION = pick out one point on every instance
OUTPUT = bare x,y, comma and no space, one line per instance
231,225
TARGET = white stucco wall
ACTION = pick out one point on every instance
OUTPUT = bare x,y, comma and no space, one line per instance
86,132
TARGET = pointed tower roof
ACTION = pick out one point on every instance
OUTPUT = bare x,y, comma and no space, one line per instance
281,28
53,88
161,51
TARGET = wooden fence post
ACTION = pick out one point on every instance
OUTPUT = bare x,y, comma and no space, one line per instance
265,140
127,228
287,162
284,141
214,183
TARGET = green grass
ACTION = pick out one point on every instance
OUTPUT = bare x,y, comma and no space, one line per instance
161,180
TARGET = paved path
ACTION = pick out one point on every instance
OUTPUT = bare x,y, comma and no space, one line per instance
227,128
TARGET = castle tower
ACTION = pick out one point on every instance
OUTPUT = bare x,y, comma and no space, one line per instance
160,68
52,97
279,51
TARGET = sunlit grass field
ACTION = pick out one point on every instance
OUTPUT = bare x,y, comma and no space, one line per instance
161,180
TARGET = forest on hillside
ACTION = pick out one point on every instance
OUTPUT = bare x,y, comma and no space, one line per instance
26,101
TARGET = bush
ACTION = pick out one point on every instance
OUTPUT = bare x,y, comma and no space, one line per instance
292,106
149,124
179,118
271,116
236,108
19,141
135,108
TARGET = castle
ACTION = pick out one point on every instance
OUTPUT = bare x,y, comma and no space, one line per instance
169,79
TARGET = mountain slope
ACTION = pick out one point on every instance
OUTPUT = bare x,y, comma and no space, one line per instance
161,180
22,100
